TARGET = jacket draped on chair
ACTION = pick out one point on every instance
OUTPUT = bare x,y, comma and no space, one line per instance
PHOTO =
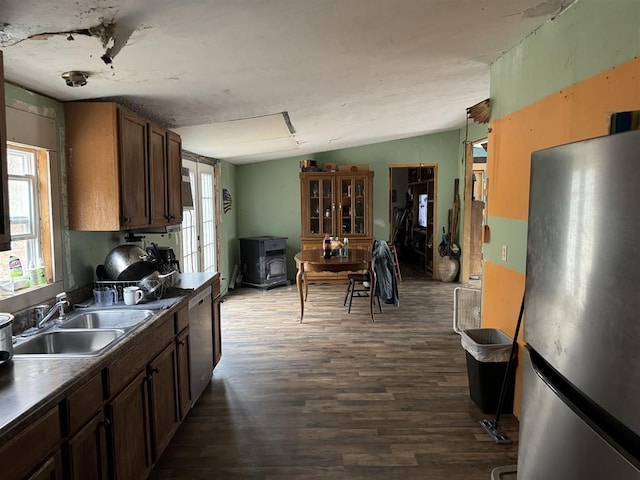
387,282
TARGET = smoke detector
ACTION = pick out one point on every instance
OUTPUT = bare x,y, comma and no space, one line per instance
75,78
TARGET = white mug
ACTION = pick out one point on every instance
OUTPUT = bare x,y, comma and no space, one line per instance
132,295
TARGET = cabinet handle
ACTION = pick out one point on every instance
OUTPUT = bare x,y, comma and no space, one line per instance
181,342
105,424
155,370
127,220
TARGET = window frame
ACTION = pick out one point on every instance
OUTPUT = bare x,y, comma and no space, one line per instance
31,130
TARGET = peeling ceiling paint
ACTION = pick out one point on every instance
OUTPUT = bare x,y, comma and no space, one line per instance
349,72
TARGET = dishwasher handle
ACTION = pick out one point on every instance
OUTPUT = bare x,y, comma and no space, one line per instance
200,298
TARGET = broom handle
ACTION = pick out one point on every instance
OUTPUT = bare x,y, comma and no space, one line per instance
512,357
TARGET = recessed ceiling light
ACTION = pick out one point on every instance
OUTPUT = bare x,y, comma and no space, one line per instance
75,78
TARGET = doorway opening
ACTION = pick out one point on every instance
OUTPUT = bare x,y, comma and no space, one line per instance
412,217
475,216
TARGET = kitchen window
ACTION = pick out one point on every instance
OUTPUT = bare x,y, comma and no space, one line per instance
29,214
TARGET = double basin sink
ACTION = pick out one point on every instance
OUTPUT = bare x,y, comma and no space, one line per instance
83,334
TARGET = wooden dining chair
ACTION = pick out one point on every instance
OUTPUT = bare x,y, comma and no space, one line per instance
359,285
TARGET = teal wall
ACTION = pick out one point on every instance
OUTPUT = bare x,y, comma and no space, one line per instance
266,195
269,192
228,256
588,38
82,250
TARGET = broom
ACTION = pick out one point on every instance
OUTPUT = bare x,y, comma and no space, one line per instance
492,428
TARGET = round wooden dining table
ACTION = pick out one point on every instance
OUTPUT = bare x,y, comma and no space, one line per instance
314,261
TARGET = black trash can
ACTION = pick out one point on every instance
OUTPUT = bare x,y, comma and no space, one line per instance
487,351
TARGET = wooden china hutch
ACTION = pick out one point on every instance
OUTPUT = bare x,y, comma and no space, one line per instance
336,204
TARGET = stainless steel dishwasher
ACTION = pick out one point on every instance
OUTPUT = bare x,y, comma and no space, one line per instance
201,342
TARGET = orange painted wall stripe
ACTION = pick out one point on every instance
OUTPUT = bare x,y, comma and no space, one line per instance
501,308
576,113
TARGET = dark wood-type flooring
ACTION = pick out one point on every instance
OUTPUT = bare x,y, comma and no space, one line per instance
338,397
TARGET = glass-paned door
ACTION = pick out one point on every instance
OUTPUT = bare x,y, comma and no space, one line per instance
319,219
315,207
352,206
345,207
199,225
208,223
190,227
328,206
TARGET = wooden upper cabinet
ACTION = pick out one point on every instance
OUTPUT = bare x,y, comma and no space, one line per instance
174,177
337,204
158,174
134,170
119,174
5,227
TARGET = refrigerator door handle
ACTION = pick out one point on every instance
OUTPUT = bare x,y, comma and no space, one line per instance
624,440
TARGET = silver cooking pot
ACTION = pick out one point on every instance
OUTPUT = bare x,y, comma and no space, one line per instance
6,338
128,263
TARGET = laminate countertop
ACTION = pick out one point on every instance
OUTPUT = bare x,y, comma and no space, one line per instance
31,386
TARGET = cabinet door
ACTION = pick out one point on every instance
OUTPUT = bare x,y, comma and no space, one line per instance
88,451
164,398
33,446
354,197
5,232
134,186
130,437
318,205
184,378
174,185
50,470
158,177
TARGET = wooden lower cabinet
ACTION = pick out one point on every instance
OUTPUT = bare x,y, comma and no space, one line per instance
51,469
128,415
87,451
117,423
163,375
34,453
146,413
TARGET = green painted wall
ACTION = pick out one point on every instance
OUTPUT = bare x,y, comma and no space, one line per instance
82,250
513,234
266,196
229,255
269,192
588,38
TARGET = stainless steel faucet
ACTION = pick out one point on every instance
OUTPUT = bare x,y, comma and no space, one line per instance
42,318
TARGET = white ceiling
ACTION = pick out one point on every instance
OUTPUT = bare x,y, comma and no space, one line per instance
348,72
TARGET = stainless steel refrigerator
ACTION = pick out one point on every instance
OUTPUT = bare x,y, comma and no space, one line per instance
580,414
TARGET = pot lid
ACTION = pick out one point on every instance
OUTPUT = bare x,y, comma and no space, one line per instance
5,319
